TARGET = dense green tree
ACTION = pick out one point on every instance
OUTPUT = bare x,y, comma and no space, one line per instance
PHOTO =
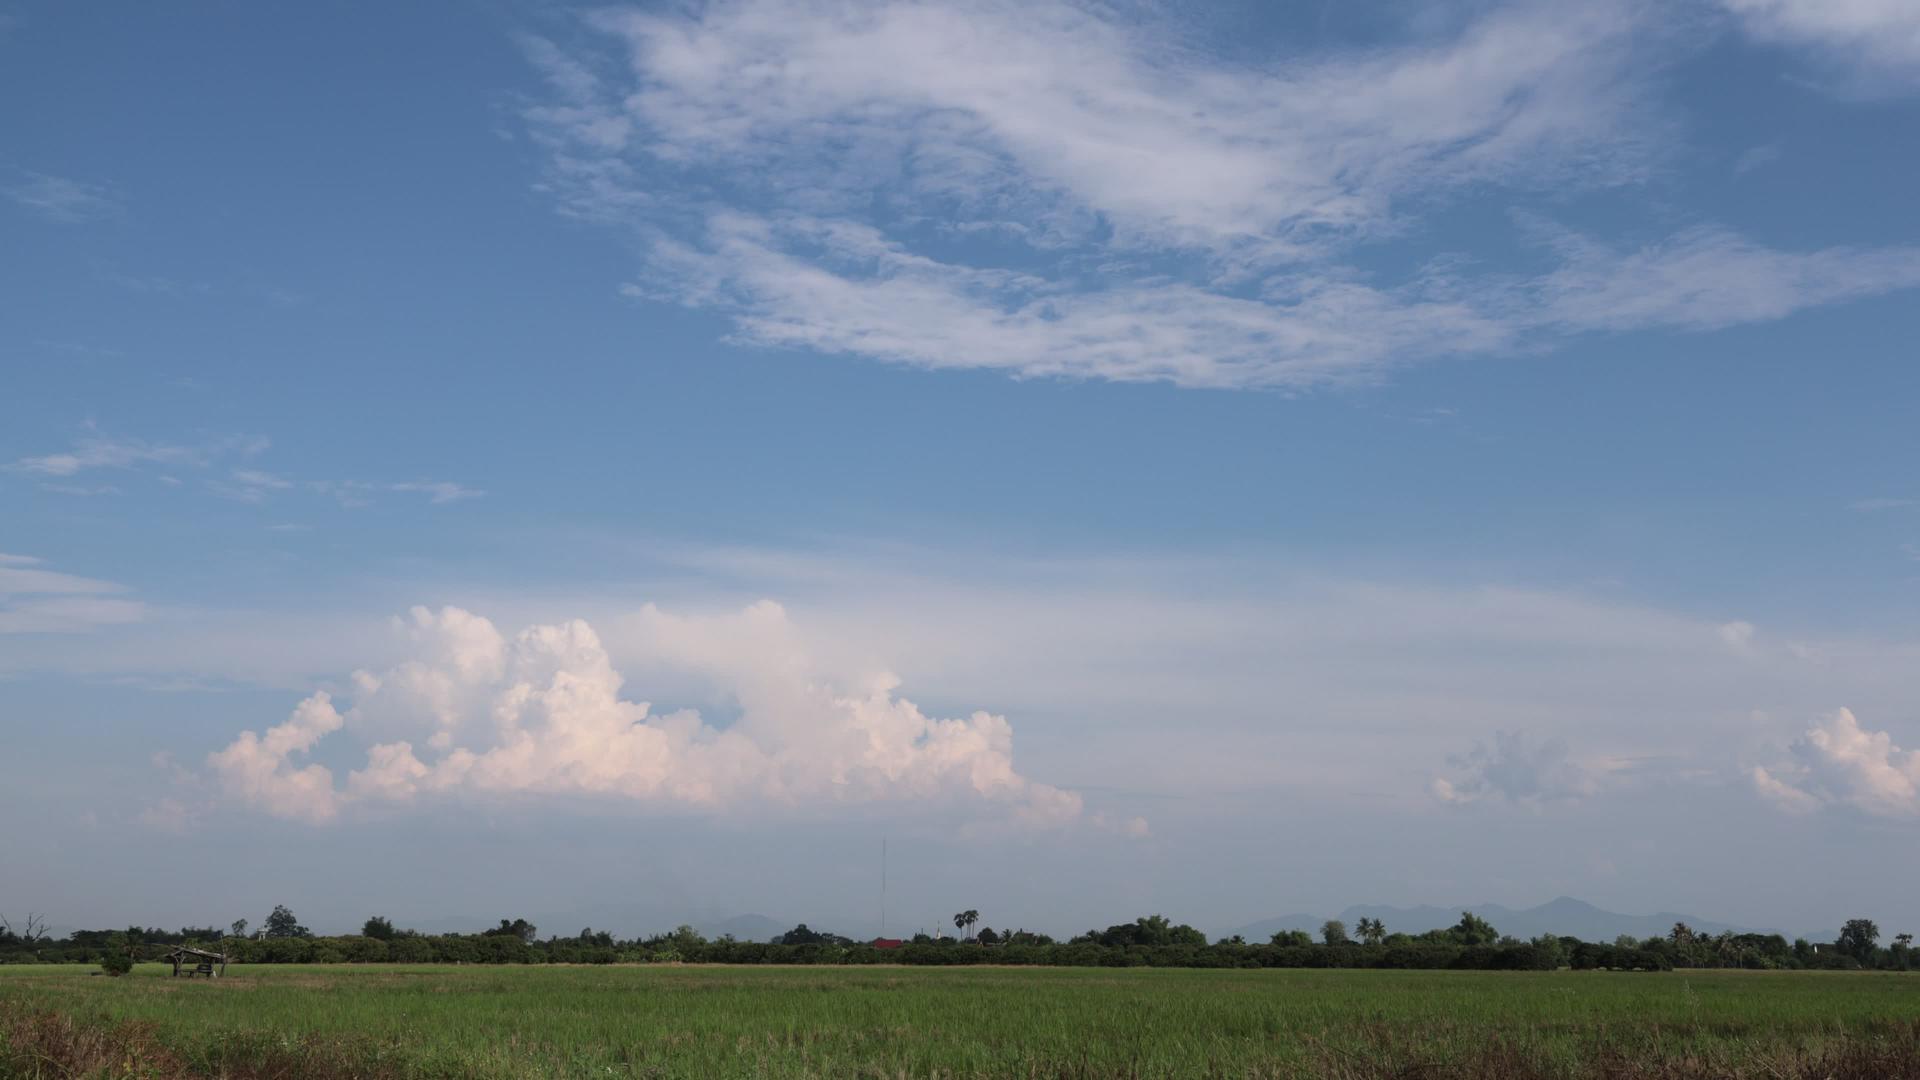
800,935
1473,930
239,928
518,928
377,927
1857,939
1292,938
117,957
283,924
1333,932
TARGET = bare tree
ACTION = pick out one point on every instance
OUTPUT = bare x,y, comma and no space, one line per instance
36,928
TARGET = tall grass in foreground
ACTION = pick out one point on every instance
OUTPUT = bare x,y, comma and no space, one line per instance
805,1022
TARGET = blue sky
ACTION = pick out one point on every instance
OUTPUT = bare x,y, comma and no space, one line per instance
1224,461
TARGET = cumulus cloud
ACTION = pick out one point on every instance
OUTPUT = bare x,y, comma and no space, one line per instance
1839,763
1873,45
477,713
34,599
1517,769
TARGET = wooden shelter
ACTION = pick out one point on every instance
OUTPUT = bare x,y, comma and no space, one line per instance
195,962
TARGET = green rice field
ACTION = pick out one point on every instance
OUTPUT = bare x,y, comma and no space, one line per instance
669,1021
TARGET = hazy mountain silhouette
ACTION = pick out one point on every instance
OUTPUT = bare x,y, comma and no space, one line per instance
1561,916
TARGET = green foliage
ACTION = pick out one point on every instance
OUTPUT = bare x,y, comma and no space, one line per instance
283,924
1333,932
378,927
517,928
1473,930
117,959
1857,939
1150,930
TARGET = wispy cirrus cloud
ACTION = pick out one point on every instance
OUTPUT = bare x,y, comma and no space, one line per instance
437,491
356,493
1705,278
100,452
37,600
61,200
1868,46
1159,213
104,452
1055,110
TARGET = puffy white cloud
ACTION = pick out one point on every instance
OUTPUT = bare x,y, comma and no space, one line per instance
543,713
1517,769
261,770
1875,44
1839,763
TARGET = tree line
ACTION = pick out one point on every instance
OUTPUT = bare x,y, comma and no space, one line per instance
1149,941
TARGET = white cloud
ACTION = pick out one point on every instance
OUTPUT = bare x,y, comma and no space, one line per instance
249,485
1738,635
259,770
61,200
1869,506
908,309
1873,45
34,600
1705,278
438,491
357,493
804,167
1517,769
101,452
1050,109
1839,763
543,713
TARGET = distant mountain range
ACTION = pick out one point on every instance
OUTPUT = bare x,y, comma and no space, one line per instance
1564,916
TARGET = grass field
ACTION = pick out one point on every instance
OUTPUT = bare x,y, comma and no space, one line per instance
790,1022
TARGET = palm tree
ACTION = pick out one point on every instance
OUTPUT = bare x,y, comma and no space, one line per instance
1372,931
965,919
